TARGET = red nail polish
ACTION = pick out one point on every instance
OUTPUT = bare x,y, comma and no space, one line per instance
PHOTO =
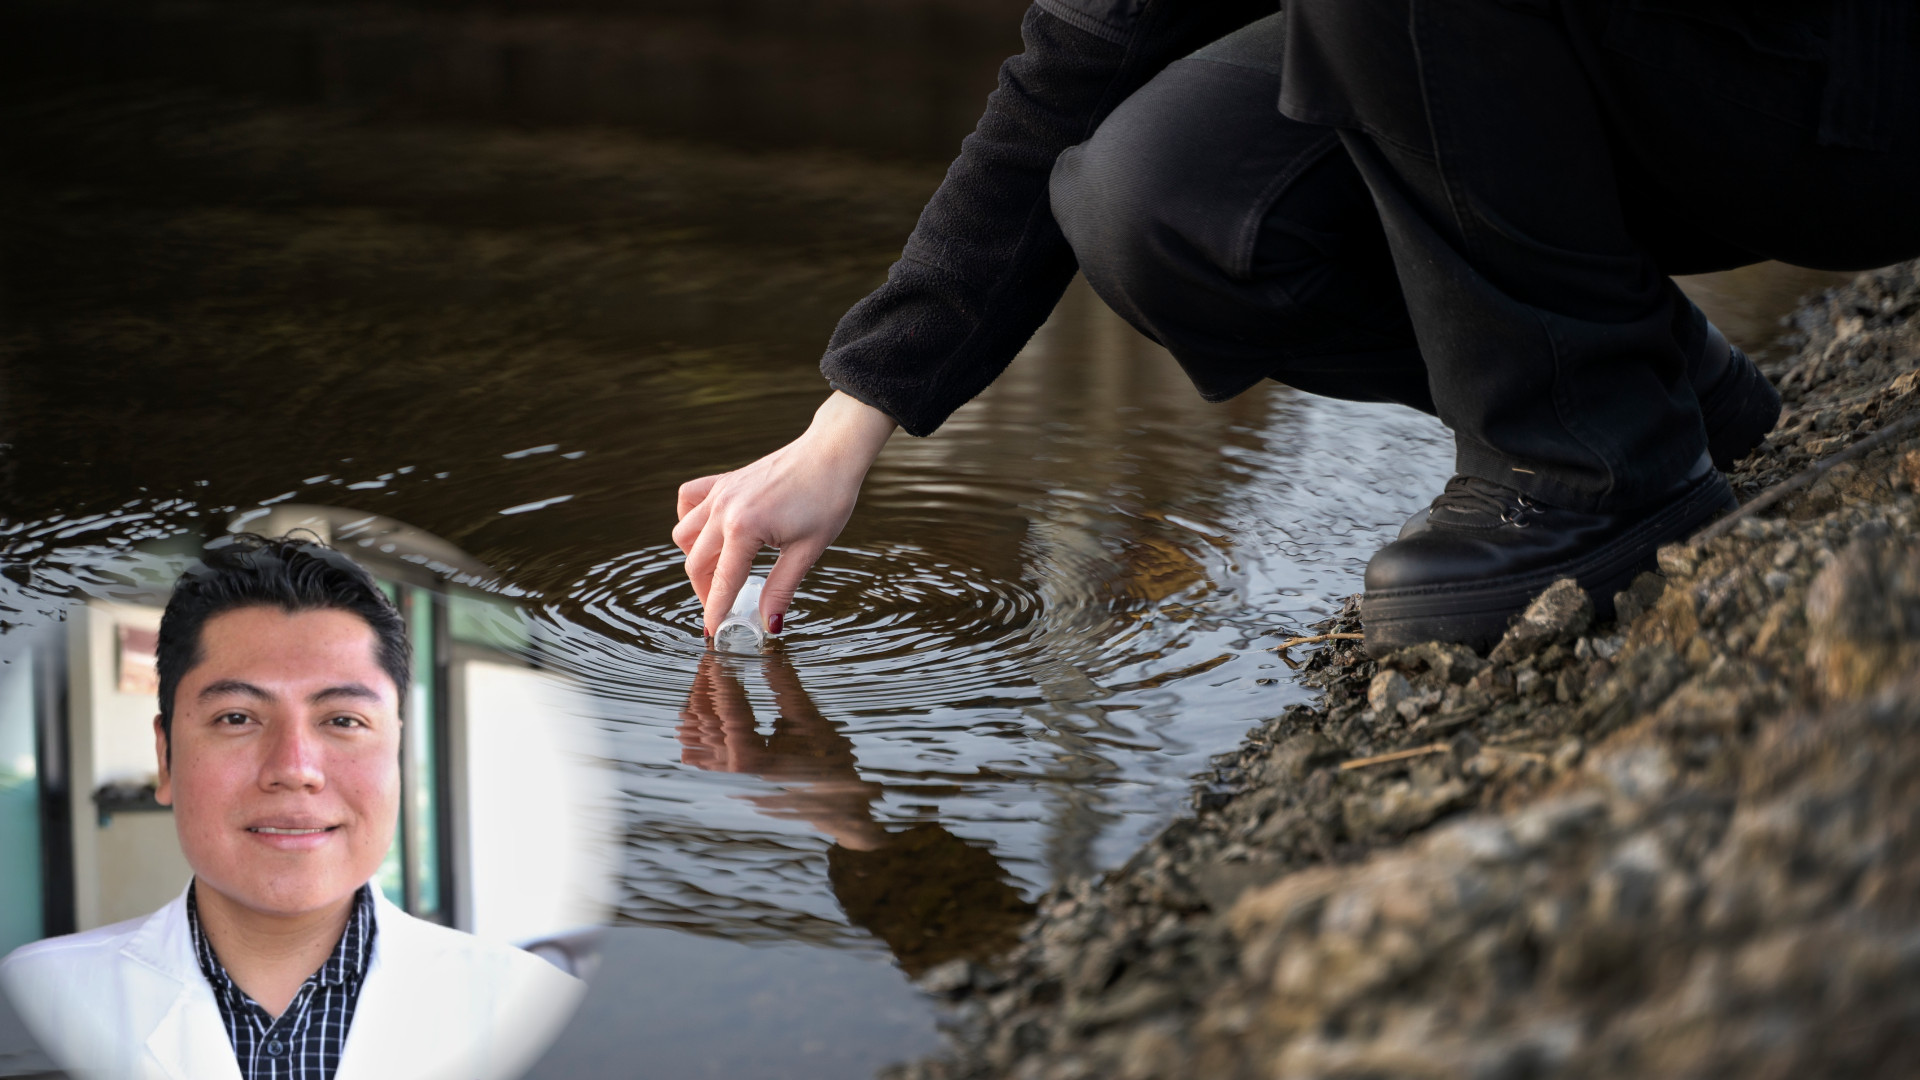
774,624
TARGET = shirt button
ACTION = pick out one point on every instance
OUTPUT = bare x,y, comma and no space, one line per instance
275,1048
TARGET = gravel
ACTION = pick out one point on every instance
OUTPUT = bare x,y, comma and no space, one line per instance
1686,842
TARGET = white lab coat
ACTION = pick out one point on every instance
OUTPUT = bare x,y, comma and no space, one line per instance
128,1000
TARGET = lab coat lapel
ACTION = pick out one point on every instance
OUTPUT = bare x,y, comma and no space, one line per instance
398,1024
165,989
190,1042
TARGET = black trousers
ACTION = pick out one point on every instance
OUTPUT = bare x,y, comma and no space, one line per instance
1473,207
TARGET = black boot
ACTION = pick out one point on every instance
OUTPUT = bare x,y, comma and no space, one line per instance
1737,403
1487,550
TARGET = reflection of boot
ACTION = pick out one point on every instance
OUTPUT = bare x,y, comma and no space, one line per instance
930,895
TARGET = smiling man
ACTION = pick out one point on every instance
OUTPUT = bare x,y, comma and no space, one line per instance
282,668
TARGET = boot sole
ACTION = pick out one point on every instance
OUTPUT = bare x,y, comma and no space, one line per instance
1476,614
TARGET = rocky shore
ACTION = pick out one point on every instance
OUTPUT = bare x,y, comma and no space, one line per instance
1683,843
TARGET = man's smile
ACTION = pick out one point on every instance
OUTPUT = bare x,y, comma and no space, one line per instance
293,832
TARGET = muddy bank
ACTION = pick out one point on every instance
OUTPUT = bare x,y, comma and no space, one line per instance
1684,844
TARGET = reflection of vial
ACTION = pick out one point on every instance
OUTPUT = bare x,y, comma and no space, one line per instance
741,631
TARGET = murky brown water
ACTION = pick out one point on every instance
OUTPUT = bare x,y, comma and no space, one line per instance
220,293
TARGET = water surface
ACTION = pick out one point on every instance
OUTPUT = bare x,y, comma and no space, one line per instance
1038,625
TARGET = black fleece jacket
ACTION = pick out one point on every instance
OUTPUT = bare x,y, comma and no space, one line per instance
986,263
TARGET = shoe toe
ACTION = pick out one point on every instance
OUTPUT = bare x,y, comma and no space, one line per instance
1426,557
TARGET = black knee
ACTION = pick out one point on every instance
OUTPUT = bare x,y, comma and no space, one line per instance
1110,196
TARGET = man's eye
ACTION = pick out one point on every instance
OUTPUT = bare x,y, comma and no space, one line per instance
345,720
233,718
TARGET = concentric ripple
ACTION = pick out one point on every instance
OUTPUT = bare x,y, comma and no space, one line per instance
1031,661
1035,659
910,629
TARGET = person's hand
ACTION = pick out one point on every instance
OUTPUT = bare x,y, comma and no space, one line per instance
796,499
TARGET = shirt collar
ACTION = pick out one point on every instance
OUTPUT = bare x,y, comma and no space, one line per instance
346,964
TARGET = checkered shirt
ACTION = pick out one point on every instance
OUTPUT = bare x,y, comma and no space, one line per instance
304,1042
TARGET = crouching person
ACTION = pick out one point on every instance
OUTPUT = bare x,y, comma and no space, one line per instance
282,668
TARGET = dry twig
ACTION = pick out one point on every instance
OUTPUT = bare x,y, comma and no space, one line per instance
1807,476
1315,639
1397,755
1309,639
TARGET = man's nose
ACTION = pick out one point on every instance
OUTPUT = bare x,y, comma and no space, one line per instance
294,758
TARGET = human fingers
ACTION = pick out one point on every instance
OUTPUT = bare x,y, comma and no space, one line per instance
731,568
691,525
784,580
694,492
702,557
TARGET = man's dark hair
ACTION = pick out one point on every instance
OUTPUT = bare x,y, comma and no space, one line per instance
292,574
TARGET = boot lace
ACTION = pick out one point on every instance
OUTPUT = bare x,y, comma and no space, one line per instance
1470,496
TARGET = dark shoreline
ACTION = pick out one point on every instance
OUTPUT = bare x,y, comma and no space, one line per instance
1685,844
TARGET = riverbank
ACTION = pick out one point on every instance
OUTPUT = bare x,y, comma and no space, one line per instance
1684,843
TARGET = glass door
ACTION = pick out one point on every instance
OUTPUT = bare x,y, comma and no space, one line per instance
22,855
414,874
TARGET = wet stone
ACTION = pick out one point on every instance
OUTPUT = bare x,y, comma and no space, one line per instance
1400,807
1448,663
1638,598
950,979
1556,821
1478,840
1387,690
1638,774
1294,758
1677,560
1864,615
1557,616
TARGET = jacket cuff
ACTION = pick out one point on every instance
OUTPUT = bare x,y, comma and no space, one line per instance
872,402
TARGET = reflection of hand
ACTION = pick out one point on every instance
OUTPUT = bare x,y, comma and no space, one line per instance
806,751
716,728
797,499
930,895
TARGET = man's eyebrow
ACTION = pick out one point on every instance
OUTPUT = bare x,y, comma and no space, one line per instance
234,686
344,690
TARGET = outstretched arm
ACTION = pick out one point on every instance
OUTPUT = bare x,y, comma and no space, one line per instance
980,273
986,263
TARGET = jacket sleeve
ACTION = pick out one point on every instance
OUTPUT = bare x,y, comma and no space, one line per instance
986,263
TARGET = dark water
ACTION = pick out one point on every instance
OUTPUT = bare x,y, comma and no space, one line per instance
517,307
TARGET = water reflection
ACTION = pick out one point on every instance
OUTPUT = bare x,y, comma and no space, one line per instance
1036,628
220,296
930,895
806,755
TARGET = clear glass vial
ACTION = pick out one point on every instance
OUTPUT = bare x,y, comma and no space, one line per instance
741,630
